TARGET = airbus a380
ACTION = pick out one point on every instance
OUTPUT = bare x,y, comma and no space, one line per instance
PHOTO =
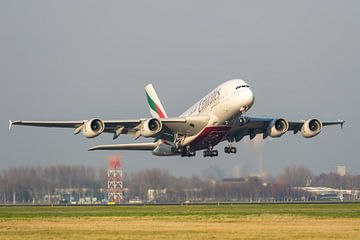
219,116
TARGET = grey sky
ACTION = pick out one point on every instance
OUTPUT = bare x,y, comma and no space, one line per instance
70,60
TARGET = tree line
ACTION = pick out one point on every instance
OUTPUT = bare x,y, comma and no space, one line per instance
36,184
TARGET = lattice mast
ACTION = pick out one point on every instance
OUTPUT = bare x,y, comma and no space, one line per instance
115,180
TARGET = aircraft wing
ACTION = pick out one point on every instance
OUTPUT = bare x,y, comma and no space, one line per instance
110,126
170,126
259,125
127,146
59,124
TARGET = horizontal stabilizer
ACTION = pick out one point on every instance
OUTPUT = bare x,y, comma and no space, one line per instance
127,146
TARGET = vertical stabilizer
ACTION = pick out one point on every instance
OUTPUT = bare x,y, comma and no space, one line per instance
156,108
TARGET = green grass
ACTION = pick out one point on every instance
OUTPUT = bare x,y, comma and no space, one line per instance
245,221
309,210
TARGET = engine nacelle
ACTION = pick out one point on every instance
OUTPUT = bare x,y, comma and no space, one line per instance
311,128
277,127
93,128
150,127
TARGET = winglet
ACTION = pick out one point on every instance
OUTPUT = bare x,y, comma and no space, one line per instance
10,124
341,123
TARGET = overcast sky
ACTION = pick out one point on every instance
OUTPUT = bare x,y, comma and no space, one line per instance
74,60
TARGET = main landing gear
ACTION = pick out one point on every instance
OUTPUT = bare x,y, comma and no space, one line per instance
187,152
230,149
210,152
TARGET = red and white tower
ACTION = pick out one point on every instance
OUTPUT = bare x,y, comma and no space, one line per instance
115,180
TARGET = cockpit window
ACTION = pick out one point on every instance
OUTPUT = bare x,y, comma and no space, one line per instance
242,86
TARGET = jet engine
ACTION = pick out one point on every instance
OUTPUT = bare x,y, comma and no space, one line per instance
93,128
277,127
311,128
150,127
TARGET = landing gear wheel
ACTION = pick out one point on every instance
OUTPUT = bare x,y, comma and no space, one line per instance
230,149
189,154
206,153
186,152
227,149
214,153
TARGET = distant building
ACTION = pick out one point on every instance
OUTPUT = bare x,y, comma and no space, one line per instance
88,200
247,180
136,200
325,193
154,195
232,180
341,170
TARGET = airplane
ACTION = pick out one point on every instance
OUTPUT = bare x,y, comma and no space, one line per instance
217,117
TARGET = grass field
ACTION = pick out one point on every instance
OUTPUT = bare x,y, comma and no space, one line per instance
249,221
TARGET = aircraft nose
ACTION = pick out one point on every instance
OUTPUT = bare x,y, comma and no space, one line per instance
247,99
250,98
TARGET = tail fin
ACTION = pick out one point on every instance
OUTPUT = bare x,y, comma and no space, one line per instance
156,108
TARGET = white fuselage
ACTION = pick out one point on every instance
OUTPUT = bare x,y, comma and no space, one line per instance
230,98
224,103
